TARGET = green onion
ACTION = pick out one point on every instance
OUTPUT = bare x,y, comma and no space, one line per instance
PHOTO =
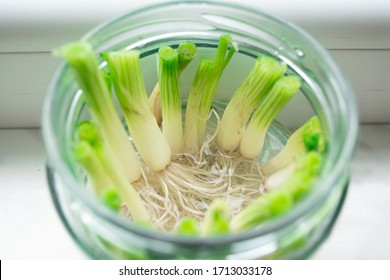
129,86
252,215
277,202
302,181
255,86
202,93
192,140
90,136
83,62
282,91
112,199
298,176
262,209
186,53
217,219
307,137
187,227
168,79
276,180
87,158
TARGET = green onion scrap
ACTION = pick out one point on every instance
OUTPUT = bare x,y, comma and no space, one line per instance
168,171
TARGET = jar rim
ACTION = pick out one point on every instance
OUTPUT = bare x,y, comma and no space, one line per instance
318,194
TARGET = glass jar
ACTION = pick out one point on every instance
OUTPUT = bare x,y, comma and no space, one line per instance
325,92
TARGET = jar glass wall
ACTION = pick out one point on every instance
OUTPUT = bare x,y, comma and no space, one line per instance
105,235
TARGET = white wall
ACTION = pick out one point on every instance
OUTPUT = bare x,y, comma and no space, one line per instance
357,33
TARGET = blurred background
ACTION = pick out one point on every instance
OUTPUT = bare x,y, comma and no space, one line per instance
356,33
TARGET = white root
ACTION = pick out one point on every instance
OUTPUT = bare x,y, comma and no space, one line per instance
190,183
188,186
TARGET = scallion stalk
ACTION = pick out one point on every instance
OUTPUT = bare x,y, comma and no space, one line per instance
217,219
263,209
255,86
90,136
281,92
202,93
112,199
277,202
168,79
276,180
187,227
303,178
83,62
98,180
191,132
307,137
129,86
186,53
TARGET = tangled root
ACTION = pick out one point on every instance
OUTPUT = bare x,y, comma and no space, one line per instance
190,183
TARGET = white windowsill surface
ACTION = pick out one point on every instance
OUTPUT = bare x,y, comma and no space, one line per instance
31,228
